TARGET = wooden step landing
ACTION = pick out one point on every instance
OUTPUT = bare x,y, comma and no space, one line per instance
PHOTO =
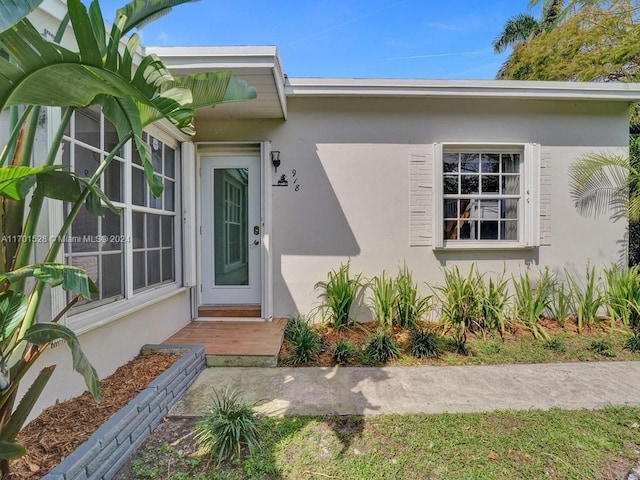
247,311
240,344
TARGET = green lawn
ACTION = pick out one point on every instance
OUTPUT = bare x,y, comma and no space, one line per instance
556,444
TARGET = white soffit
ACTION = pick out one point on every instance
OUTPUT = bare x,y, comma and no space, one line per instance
337,87
258,66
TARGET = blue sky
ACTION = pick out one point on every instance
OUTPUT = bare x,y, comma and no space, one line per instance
348,38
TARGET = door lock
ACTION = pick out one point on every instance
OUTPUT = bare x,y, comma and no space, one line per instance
256,242
256,230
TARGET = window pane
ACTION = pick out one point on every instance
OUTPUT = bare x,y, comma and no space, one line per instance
450,162
153,230
167,231
509,208
138,187
470,162
139,268
113,181
490,163
510,163
88,127
510,228
468,230
156,154
451,184
90,265
450,209
470,184
110,137
86,161
169,162
153,267
84,229
451,229
468,208
489,209
511,184
490,184
489,230
135,155
169,194
111,275
138,230
167,264
66,152
112,231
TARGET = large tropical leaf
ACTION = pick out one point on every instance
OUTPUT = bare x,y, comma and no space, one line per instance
19,416
42,333
59,185
12,11
83,30
13,306
71,278
15,182
140,12
11,451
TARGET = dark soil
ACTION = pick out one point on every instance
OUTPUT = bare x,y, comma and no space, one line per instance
64,426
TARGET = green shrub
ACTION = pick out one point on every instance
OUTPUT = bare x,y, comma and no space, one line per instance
493,298
531,300
633,343
344,351
294,326
460,345
588,298
602,347
556,344
339,294
383,300
228,426
410,306
425,344
382,347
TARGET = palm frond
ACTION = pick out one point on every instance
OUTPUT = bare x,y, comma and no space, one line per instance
518,29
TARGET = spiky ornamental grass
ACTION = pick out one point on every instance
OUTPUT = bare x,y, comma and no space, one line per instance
425,344
228,426
382,347
339,293
410,307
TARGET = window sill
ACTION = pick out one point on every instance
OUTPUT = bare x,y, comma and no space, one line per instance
88,320
488,245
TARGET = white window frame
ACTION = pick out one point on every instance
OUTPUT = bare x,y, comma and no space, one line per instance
94,316
528,212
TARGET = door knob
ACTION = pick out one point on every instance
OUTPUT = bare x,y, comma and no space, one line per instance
256,242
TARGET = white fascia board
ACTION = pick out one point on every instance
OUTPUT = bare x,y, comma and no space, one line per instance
331,87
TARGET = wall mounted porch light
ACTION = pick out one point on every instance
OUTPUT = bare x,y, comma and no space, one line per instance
275,159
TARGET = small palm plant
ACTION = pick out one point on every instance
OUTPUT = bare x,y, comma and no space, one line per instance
532,299
339,293
588,298
229,425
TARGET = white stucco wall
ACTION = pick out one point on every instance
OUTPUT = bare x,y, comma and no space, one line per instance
351,159
110,346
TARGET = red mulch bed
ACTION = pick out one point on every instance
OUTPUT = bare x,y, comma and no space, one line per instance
64,426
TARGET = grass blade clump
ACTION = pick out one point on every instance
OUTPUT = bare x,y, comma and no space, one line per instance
623,291
493,299
425,344
561,303
303,342
411,307
229,425
339,294
382,347
344,351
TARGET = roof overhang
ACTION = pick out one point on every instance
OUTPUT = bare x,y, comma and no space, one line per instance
259,66
512,89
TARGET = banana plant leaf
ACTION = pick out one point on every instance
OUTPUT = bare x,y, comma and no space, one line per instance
12,11
71,278
11,451
42,333
15,182
13,306
140,12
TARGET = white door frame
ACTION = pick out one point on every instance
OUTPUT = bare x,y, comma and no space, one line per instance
226,149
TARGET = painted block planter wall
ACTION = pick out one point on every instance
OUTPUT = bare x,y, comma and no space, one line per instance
102,455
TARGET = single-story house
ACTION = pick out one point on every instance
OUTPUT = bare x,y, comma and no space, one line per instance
273,193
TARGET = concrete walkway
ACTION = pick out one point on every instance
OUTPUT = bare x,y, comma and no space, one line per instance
376,391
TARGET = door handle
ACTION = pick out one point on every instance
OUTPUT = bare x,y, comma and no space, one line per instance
256,242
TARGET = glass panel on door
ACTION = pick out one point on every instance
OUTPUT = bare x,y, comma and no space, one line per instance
231,220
